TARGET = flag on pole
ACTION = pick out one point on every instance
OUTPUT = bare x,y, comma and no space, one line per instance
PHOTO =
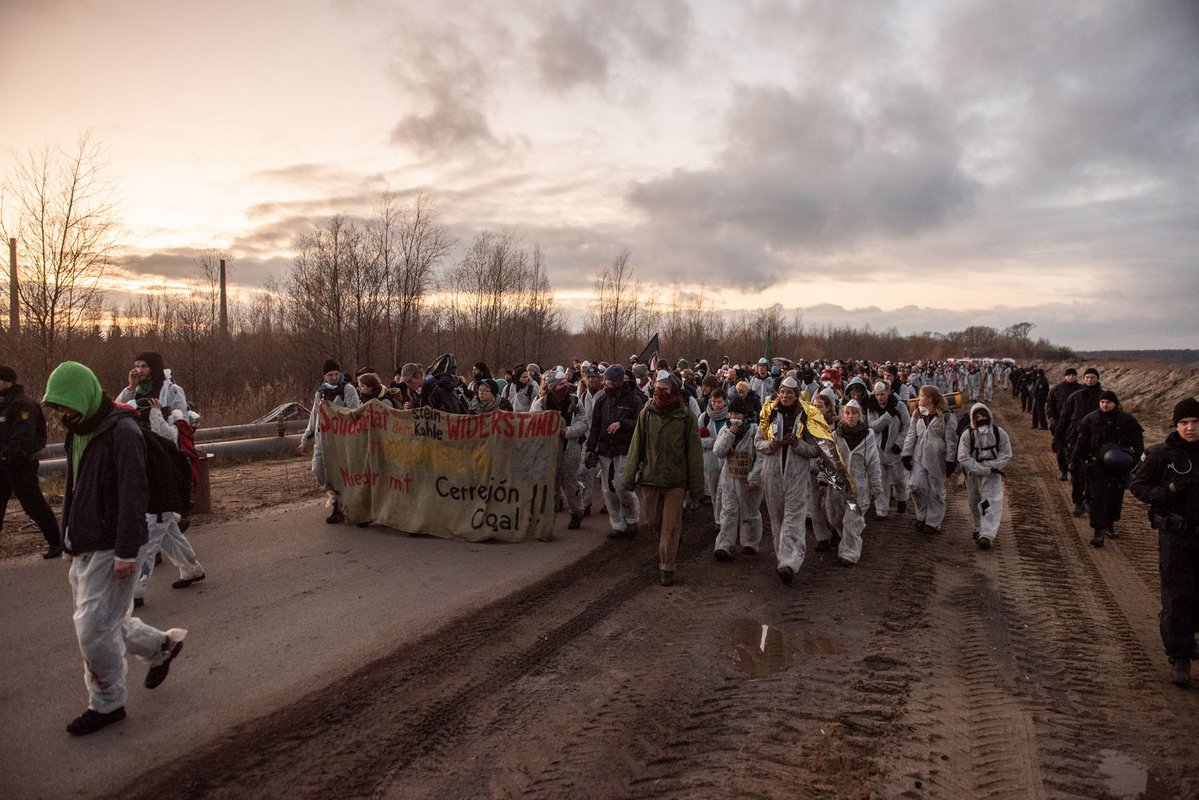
651,349
769,345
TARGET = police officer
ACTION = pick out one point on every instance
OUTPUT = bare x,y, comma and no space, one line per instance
1168,480
1077,406
1108,442
1058,396
22,435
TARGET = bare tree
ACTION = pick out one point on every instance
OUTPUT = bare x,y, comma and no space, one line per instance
60,208
615,318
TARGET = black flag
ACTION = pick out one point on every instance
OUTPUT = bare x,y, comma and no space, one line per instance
651,350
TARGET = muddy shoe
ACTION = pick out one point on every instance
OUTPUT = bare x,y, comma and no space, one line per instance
786,574
183,583
575,521
53,551
1080,510
901,507
845,562
984,543
822,546
615,533
1180,672
91,721
170,648
631,531
336,517
666,578
586,511
919,526
722,555
974,535
1097,539
1063,477
1111,533
746,550
930,530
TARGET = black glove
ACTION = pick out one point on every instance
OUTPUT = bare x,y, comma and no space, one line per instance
591,459
896,449
907,463
950,466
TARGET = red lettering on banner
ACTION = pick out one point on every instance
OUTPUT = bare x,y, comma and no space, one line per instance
364,478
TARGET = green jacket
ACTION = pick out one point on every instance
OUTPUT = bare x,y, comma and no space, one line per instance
666,450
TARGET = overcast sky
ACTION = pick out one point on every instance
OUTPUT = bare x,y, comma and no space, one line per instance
928,165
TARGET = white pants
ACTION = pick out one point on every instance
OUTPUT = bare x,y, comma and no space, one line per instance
567,483
895,481
588,482
986,503
167,537
105,630
623,509
713,468
787,497
928,494
851,523
740,514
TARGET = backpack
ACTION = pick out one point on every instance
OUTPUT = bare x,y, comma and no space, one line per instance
169,475
187,446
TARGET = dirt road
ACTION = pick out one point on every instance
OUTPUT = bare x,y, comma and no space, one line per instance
931,669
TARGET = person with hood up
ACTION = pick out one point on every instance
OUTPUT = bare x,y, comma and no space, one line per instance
984,451
788,446
1108,442
1077,406
22,436
711,423
104,534
613,419
149,378
740,484
889,418
665,462
859,452
559,397
763,383
1168,480
334,389
929,454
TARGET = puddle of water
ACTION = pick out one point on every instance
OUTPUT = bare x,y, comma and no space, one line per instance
761,650
1128,779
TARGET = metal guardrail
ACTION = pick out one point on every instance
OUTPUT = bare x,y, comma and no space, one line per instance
220,452
206,435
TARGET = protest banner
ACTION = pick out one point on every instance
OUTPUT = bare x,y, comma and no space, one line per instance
456,476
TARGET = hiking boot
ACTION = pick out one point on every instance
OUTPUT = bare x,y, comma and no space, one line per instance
336,517
930,530
575,521
901,507
183,583
666,578
91,721
1097,539
1063,477
746,550
722,555
1180,672
786,574
53,551
170,647
845,562
586,511
984,543
1080,510
1111,533
822,546
615,533
919,526
631,531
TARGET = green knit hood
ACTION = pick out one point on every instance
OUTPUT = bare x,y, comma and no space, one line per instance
74,386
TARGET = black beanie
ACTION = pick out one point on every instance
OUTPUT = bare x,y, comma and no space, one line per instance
330,366
1186,409
738,405
1070,371
1091,371
157,366
1108,394
8,374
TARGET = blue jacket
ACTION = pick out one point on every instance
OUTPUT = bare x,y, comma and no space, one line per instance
104,507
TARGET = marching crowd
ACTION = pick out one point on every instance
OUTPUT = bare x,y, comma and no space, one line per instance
834,444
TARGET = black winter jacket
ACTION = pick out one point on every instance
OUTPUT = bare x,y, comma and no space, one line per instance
1058,396
1077,406
22,427
622,407
1098,429
1168,480
104,507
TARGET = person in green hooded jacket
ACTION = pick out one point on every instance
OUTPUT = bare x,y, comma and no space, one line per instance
104,535
665,461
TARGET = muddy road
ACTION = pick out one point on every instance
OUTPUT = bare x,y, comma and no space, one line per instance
930,669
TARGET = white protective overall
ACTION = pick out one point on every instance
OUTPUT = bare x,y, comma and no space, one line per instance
567,486
106,631
931,443
164,533
713,464
866,470
890,431
623,508
588,477
740,509
983,453
347,398
787,487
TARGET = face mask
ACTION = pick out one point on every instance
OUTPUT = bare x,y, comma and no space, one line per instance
663,398
984,428
923,411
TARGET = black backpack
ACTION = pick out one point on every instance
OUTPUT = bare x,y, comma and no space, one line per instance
169,475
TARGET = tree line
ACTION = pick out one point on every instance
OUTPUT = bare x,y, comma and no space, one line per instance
375,290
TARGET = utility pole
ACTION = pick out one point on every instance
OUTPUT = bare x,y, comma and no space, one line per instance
224,306
14,307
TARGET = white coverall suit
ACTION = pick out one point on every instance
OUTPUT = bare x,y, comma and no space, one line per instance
890,431
348,398
866,470
931,442
983,456
740,509
567,485
787,485
164,529
713,464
